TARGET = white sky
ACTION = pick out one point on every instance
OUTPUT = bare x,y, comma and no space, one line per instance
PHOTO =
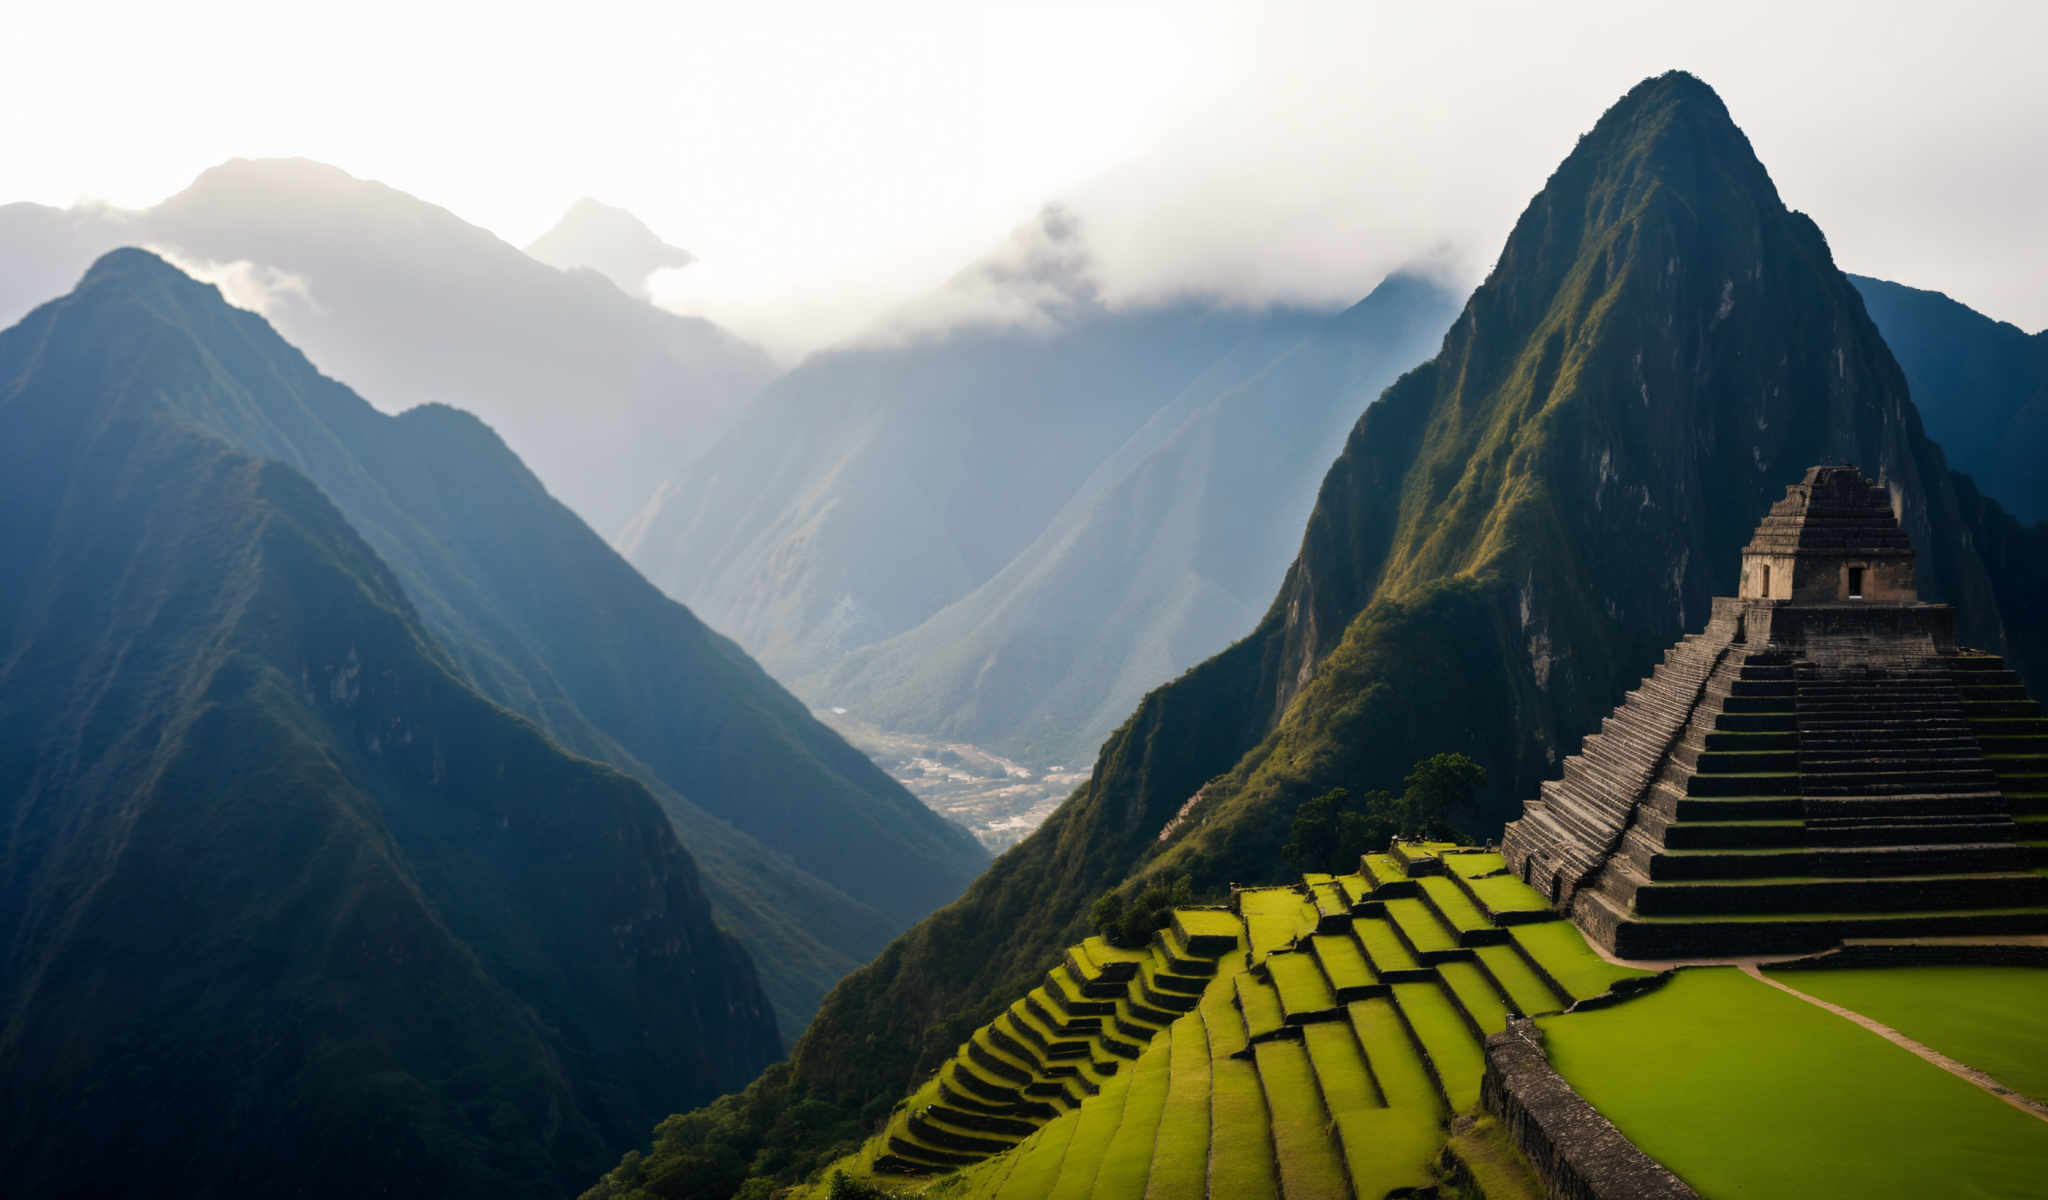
828,161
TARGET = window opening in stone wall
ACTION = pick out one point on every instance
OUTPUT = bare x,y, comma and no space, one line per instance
1767,581
1855,583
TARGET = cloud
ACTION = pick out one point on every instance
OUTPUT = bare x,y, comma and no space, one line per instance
261,289
1039,278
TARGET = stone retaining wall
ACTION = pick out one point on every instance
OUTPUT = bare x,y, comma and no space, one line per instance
1578,1153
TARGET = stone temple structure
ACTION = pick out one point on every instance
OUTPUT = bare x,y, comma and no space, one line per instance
1822,762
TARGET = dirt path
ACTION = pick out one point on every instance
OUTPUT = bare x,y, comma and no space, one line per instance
1972,1075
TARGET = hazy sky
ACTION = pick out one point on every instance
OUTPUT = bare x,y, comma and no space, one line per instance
827,162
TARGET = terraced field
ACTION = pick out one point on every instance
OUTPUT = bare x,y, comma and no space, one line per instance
1310,1041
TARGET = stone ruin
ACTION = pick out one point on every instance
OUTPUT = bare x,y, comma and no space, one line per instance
1821,762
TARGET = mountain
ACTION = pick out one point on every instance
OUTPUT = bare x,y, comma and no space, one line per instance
285,905
611,241
1980,385
1168,551
812,856
602,394
877,483
1512,535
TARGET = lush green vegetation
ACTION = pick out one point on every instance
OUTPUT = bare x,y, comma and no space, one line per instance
1744,1090
1270,1086
1134,923
1513,534
1992,1018
1330,833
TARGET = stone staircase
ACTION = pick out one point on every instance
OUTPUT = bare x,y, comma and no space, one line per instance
1799,803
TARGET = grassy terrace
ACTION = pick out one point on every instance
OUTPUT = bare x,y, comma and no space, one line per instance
1300,1062
1745,1091
1992,1018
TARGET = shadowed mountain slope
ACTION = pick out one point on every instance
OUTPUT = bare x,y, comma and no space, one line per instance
1980,385
1165,554
812,855
604,396
285,905
1511,537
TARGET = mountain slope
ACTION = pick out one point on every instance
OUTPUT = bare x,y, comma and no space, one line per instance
874,484
1512,535
1170,550
813,855
1980,385
602,394
285,906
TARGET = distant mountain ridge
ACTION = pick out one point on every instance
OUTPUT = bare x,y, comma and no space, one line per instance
811,854
611,241
1168,551
1981,386
876,483
285,906
1512,535
603,395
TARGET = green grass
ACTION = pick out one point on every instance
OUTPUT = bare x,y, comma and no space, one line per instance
1489,1153
1476,995
1505,894
1342,960
1559,948
1300,984
1273,919
1745,1091
1128,1160
1241,1146
1425,932
1382,946
1260,1004
1450,1045
1100,1117
1180,1153
1992,1018
1038,1160
1456,907
1200,922
1355,887
1384,868
1396,1065
1340,1067
1526,990
1310,1168
1472,866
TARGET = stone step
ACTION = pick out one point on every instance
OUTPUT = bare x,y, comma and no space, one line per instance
1757,722
1753,783
1817,809
1962,858
1821,894
1886,783
1726,808
1733,835
1907,831
1795,932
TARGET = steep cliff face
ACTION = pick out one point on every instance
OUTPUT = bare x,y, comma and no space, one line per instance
1512,535
285,905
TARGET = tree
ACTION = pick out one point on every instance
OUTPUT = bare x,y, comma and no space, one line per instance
1330,833
1132,924
1437,789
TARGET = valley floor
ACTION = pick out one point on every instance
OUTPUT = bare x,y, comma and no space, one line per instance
997,799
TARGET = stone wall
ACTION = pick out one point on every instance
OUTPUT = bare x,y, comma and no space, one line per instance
1578,1154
